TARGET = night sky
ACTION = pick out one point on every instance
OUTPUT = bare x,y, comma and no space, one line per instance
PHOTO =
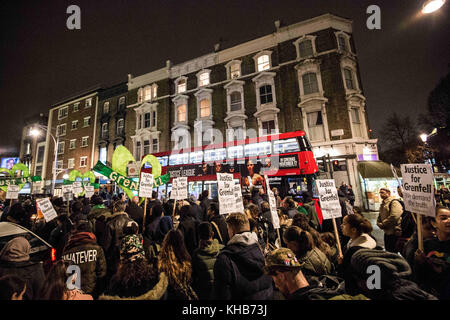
42,62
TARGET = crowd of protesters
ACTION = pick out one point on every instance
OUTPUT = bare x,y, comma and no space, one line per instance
188,250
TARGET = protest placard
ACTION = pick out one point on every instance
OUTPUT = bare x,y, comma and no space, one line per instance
12,192
67,192
47,209
225,188
146,185
418,188
182,188
89,191
273,205
77,187
239,204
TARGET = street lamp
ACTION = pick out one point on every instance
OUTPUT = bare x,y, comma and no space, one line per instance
36,132
424,137
432,5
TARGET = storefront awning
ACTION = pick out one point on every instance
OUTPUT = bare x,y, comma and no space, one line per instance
375,169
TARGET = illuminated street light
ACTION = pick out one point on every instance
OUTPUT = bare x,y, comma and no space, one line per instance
35,132
424,137
432,5
65,176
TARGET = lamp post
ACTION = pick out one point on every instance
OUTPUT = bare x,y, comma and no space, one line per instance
432,5
36,132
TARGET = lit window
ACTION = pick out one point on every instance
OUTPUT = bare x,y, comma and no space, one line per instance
204,79
235,70
265,94
155,90
263,62
181,113
204,108
181,85
315,126
310,84
306,49
147,93
235,101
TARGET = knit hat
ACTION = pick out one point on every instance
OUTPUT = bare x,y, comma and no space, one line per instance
131,248
391,264
282,258
16,250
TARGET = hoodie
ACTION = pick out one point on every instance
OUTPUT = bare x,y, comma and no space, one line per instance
238,271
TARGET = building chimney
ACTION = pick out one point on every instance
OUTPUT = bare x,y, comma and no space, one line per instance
277,24
217,47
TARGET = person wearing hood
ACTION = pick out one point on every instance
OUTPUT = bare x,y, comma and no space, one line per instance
189,227
203,260
239,268
136,212
82,250
15,260
98,216
135,278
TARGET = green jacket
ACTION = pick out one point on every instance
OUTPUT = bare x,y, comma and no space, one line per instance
316,263
312,214
203,260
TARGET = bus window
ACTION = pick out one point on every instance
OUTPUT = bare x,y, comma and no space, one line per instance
196,157
235,152
285,146
257,149
177,159
215,154
163,161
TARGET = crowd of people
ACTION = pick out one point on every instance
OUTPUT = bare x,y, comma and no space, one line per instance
188,250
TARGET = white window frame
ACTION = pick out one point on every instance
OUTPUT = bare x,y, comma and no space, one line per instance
177,84
104,133
122,127
297,42
347,42
267,111
66,108
235,118
350,64
178,101
77,105
157,145
147,93
106,106
76,125
84,121
84,139
140,95
83,159
309,66
119,102
200,96
61,146
59,164
88,103
202,82
260,54
230,65
63,128
72,144
154,91
69,162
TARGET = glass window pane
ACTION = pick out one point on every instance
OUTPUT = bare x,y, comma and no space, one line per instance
310,84
305,48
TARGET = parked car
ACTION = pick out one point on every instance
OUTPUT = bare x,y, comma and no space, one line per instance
40,249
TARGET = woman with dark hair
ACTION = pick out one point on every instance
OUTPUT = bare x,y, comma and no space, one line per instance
135,278
189,227
56,285
358,229
174,260
301,243
12,288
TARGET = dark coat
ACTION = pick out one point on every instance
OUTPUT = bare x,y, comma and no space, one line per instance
189,227
31,272
136,213
219,220
238,271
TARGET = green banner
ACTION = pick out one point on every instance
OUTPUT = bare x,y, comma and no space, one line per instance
115,176
161,180
18,181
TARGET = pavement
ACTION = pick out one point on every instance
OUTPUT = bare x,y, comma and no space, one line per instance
377,232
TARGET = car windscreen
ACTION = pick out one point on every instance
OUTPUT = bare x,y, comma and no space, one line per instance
36,244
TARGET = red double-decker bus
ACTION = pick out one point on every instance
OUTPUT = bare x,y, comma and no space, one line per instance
286,158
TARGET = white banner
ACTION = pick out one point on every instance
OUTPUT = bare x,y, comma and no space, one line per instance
12,192
67,192
239,205
146,185
47,209
174,191
225,188
89,191
329,199
418,188
179,189
273,205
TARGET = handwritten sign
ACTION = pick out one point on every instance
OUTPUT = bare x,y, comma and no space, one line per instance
146,185
77,187
67,192
239,204
47,209
273,205
329,199
12,192
89,191
418,188
225,187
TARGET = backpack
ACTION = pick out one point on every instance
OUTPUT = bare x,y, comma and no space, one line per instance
408,223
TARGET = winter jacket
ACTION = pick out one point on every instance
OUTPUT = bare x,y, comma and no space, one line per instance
157,292
31,272
389,220
203,261
312,214
364,240
82,250
158,228
97,219
316,263
238,271
189,227
222,228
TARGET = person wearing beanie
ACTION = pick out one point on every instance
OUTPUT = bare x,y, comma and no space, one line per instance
15,260
135,278
393,273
